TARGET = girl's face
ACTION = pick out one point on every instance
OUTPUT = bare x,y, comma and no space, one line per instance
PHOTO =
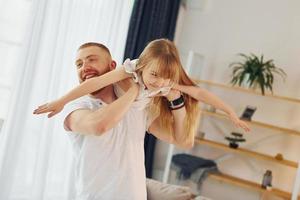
150,76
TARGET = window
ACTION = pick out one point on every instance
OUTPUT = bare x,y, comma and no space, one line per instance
14,16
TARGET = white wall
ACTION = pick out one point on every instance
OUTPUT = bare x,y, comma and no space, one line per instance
221,30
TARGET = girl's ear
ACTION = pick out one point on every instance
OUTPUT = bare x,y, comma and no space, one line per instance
113,65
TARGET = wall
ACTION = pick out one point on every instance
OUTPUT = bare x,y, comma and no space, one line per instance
219,30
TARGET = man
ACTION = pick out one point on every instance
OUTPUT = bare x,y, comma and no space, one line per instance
107,134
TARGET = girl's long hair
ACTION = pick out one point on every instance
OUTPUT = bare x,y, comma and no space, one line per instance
165,56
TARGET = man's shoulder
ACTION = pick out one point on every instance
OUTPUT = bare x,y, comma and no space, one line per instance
80,103
84,102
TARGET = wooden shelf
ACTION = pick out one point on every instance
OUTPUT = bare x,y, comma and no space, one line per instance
284,98
242,151
256,123
249,184
245,152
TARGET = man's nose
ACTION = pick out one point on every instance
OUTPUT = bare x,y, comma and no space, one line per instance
86,66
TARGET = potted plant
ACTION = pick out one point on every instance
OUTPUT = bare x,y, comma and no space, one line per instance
255,72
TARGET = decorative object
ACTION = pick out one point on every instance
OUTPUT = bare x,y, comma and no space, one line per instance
248,113
200,134
279,156
267,180
255,72
233,141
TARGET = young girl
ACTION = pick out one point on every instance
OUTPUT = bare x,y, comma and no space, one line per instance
163,81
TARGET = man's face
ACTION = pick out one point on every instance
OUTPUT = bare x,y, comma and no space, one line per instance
93,61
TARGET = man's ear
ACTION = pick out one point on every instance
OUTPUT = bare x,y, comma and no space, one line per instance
113,65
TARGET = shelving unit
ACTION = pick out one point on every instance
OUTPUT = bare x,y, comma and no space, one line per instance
248,184
246,152
241,89
255,123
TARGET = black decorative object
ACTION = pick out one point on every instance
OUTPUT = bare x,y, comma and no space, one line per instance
200,134
248,113
267,180
233,141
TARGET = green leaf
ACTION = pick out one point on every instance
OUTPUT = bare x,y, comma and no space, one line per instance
258,71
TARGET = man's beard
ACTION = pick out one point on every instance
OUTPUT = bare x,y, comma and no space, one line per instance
96,75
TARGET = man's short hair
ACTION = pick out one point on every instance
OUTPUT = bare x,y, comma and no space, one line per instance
90,44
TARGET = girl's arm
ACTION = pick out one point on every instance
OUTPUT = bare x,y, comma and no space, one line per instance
211,99
84,88
179,137
94,84
204,96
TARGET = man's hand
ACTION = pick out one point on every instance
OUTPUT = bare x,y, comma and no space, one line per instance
52,108
129,84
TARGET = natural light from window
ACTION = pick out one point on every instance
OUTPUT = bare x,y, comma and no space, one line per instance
14,16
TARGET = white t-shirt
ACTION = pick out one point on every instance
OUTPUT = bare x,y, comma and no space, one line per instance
110,166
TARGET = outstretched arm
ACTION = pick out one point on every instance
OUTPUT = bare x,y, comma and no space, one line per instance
211,99
84,88
99,121
94,84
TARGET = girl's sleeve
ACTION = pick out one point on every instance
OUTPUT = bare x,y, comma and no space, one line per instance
130,68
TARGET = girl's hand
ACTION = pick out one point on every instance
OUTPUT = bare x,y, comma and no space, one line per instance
52,108
238,122
173,94
160,83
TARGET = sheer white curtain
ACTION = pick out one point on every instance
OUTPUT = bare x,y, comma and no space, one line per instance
35,155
